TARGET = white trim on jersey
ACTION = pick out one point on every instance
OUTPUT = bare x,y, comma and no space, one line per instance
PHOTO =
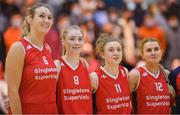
155,76
138,80
40,49
23,48
109,74
73,68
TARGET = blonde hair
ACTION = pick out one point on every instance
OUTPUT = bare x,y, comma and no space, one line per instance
102,40
145,40
30,14
65,32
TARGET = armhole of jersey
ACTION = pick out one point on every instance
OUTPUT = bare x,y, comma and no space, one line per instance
165,73
126,71
170,87
23,49
84,62
97,81
138,80
48,47
58,66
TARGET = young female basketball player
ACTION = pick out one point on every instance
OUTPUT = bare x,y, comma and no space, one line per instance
110,81
149,81
31,72
74,89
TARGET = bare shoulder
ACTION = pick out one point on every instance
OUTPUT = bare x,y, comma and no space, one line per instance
57,62
16,50
126,70
167,72
94,81
17,45
134,79
84,62
93,75
134,73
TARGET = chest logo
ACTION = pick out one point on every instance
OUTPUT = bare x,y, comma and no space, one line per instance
144,74
104,76
28,47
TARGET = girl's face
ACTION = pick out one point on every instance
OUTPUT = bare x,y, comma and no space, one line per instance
152,52
112,53
42,20
74,41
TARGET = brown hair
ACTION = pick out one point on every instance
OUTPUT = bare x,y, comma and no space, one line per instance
145,40
102,40
30,14
66,30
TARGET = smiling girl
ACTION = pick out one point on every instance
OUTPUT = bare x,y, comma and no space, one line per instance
74,90
31,72
109,82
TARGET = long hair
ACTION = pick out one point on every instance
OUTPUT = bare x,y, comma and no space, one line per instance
102,40
65,31
30,14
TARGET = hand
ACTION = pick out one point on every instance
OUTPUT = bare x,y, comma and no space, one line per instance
6,105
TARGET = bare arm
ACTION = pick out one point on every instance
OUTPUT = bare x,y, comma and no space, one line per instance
170,87
133,80
94,81
13,70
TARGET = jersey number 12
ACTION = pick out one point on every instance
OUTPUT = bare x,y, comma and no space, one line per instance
158,86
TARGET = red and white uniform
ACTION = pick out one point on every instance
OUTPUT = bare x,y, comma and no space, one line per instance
38,84
112,95
153,96
74,89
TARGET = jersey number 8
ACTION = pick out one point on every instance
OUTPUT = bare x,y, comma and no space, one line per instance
76,80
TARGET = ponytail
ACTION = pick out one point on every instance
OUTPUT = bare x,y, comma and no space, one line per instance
26,28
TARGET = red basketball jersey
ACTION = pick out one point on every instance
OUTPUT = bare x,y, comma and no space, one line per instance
112,95
74,89
38,84
153,96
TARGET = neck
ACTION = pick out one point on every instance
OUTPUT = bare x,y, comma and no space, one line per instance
36,38
153,68
112,69
72,60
